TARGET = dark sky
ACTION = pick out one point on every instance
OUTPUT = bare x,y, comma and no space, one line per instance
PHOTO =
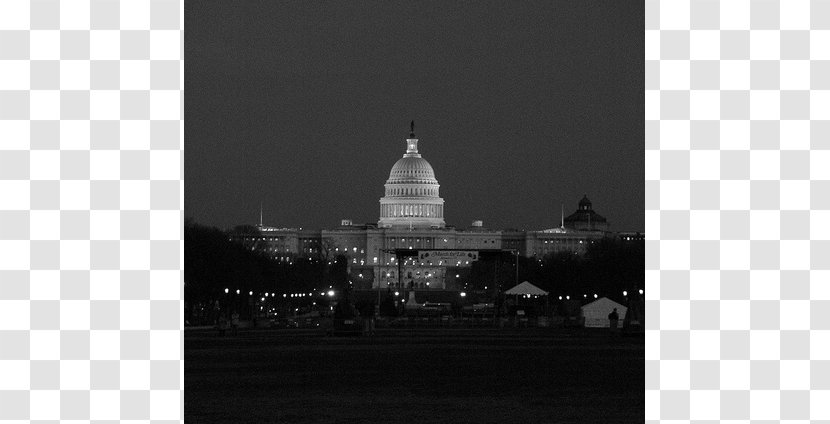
519,107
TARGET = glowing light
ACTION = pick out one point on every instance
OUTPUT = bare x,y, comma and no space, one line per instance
331,293
250,293
284,295
463,294
226,290
237,291
567,298
595,296
397,294
625,293
641,291
560,297
262,300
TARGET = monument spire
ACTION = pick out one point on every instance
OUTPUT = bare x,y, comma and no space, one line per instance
412,129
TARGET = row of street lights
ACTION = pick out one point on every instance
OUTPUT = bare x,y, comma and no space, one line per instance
625,293
330,293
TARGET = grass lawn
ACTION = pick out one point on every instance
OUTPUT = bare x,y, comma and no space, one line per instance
414,376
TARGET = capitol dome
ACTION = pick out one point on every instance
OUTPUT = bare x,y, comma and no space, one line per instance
411,193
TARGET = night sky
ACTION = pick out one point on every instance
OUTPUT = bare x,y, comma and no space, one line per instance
519,107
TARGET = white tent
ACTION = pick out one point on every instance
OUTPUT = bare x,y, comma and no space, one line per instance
596,312
526,289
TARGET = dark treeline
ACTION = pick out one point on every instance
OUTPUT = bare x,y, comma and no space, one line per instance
213,263
608,267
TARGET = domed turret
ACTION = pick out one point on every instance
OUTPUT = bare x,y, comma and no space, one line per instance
411,192
584,204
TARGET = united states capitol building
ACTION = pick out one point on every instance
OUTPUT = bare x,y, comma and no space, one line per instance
411,245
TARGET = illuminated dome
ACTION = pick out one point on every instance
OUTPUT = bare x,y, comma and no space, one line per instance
411,193
412,168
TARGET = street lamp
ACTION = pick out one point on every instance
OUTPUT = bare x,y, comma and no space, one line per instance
226,290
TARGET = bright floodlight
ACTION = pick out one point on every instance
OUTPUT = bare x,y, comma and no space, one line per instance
237,291
567,297
595,296
250,293
560,297
284,295
397,294
331,293
625,293
641,291
226,290
463,294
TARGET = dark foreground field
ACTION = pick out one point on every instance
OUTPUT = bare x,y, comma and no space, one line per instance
414,376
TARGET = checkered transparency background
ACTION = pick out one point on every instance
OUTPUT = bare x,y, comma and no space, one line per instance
91,210
738,211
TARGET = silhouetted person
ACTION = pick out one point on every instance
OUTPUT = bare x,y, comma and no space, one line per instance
235,322
613,319
222,324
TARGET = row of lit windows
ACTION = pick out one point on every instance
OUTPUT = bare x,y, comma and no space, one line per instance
346,249
411,210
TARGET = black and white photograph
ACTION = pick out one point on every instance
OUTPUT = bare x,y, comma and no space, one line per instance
414,212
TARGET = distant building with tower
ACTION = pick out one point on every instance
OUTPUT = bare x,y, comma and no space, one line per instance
411,218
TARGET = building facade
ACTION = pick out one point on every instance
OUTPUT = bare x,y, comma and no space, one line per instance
411,218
